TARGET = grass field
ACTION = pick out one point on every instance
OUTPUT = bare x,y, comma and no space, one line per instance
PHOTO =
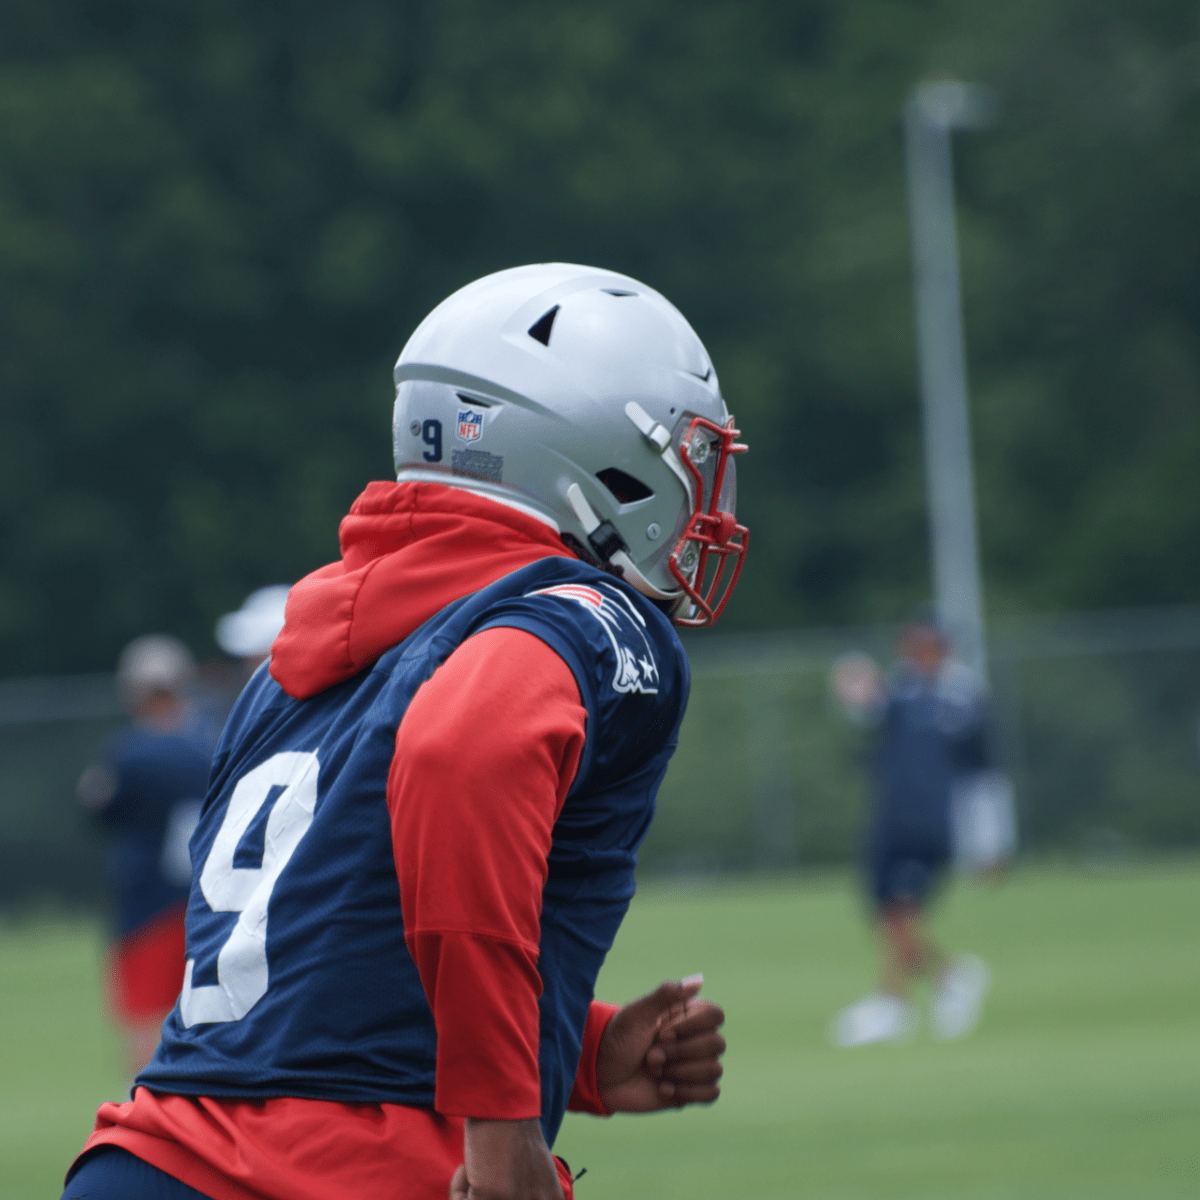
1084,1080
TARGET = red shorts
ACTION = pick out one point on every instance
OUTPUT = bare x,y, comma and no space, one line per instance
145,969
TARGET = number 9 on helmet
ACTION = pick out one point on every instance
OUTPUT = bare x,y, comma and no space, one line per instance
583,398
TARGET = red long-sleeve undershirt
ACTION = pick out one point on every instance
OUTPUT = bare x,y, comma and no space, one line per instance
484,758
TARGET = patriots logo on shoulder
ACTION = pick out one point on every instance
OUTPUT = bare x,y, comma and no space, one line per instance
637,670
470,425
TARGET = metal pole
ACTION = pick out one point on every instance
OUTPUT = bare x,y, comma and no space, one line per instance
930,114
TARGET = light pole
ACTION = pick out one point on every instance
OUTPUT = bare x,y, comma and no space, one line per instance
932,111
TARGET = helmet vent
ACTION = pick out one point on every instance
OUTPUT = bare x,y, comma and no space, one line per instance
473,401
625,488
540,329
617,292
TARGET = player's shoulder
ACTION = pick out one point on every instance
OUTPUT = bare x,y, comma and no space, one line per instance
627,659
630,643
617,629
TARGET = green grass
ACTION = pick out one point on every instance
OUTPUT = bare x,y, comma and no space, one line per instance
1083,1081
59,1058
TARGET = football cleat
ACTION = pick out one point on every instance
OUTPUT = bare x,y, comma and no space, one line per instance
958,999
875,1018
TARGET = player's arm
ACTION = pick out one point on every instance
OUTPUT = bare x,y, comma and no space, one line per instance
484,758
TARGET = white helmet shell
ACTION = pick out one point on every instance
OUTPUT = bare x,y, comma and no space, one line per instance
564,390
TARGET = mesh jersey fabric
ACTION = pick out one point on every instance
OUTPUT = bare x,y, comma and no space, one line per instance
412,552
343,1016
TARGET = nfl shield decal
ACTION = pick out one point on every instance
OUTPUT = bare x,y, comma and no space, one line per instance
470,425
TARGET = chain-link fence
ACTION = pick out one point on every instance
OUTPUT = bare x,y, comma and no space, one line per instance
1095,718
50,729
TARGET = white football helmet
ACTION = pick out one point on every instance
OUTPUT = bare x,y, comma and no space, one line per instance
584,398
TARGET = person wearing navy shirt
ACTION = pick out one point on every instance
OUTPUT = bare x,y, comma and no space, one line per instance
146,799
422,824
931,737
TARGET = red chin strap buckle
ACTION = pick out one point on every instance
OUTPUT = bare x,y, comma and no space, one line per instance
707,558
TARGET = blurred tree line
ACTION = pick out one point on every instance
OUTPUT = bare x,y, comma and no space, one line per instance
220,221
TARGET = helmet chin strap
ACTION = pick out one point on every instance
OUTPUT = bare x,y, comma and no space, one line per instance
609,547
638,580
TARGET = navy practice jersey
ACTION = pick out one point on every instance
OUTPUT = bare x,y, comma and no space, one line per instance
932,735
298,981
149,808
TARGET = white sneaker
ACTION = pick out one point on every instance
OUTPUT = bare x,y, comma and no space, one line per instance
875,1018
958,1001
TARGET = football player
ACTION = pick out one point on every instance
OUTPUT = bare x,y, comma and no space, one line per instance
420,834
146,798
932,739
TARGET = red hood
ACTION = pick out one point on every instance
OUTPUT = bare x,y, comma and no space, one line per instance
408,550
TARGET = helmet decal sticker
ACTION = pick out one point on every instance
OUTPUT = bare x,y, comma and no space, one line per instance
637,669
431,435
470,425
478,464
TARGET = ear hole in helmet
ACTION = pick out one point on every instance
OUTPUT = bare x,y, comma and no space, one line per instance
625,488
540,329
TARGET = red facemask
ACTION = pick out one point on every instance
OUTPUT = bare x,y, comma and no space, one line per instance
707,558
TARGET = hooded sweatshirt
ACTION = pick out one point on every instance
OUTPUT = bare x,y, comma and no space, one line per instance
504,716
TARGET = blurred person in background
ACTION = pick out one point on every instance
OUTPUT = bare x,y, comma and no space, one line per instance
244,637
247,634
933,778
146,797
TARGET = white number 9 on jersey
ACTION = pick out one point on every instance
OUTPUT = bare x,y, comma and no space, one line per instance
242,961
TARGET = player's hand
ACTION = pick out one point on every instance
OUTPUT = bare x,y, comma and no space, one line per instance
662,1051
505,1160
